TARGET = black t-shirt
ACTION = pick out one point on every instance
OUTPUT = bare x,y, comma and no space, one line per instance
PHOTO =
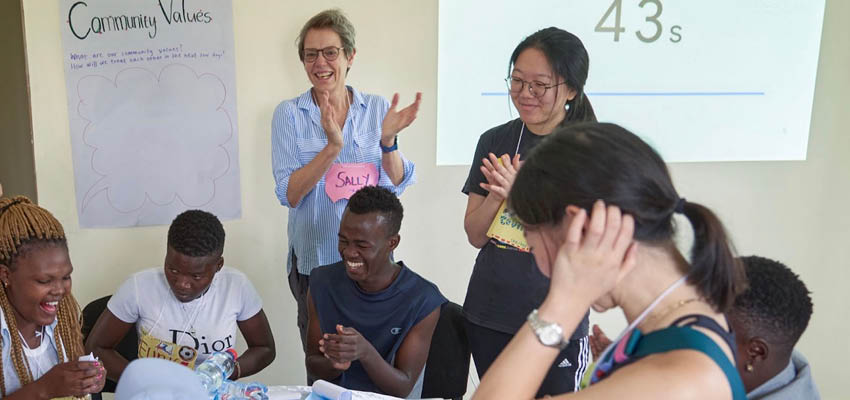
506,283
500,140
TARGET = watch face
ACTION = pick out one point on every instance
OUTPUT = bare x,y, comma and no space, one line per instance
550,336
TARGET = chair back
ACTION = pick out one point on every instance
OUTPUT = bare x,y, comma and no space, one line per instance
128,347
447,368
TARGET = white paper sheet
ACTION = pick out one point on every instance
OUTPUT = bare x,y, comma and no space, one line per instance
152,108
330,391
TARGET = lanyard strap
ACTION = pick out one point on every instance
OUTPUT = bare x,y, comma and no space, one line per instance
520,139
643,315
188,320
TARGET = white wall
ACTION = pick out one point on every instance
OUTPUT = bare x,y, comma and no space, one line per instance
792,211
17,167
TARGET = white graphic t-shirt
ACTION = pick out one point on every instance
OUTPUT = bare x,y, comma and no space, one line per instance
208,323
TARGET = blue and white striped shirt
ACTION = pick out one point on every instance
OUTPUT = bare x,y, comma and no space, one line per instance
297,137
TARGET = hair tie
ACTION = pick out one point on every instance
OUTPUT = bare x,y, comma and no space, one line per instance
680,206
12,203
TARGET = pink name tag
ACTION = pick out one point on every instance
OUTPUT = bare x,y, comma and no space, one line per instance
342,180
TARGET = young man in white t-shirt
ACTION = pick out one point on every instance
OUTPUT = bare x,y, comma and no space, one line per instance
189,309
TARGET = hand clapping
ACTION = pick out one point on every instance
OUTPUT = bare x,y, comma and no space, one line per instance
500,174
345,346
329,117
395,121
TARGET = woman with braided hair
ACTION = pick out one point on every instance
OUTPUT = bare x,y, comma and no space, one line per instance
39,323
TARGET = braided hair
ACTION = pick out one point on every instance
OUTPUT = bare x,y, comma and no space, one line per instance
26,227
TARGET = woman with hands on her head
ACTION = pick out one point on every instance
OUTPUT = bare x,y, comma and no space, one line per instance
327,143
39,322
547,73
597,204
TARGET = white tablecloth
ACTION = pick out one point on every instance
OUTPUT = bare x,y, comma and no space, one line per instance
285,393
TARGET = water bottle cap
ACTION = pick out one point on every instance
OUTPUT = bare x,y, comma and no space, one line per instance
232,353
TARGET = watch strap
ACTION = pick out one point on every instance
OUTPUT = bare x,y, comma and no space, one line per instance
390,149
538,325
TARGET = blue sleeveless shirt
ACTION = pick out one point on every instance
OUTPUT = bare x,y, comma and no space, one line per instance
384,318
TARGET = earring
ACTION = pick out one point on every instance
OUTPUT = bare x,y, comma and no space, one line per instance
749,367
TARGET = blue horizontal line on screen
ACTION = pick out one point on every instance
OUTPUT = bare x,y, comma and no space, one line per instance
645,94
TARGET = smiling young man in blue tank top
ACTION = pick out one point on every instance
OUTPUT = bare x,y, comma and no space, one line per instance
371,319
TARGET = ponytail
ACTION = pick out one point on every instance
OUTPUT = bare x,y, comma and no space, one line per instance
715,271
580,110
583,162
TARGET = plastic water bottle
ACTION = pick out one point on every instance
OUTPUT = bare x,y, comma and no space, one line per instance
242,391
215,369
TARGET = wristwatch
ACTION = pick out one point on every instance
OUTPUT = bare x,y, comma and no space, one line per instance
549,333
390,149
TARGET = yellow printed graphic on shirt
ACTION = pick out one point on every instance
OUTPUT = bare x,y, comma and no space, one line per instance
152,347
507,230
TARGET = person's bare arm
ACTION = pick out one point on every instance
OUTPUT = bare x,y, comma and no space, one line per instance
261,349
598,250
304,179
317,363
107,332
398,379
481,210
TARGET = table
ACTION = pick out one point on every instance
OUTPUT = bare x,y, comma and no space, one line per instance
284,393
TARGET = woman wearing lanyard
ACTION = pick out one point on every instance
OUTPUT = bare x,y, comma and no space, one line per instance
547,74
40,337
597,204
326,144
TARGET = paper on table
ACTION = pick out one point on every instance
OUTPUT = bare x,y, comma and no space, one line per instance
358,395
281,393
330,391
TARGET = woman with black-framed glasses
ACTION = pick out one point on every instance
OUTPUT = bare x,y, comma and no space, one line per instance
327,143
547,73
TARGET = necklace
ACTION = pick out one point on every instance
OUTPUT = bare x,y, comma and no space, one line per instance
35,374
39,334
652,318
641,317
191,316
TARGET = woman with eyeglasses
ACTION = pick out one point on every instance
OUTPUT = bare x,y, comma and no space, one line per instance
547,71
327,143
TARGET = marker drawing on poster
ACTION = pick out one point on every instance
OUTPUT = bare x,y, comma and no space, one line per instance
152,109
